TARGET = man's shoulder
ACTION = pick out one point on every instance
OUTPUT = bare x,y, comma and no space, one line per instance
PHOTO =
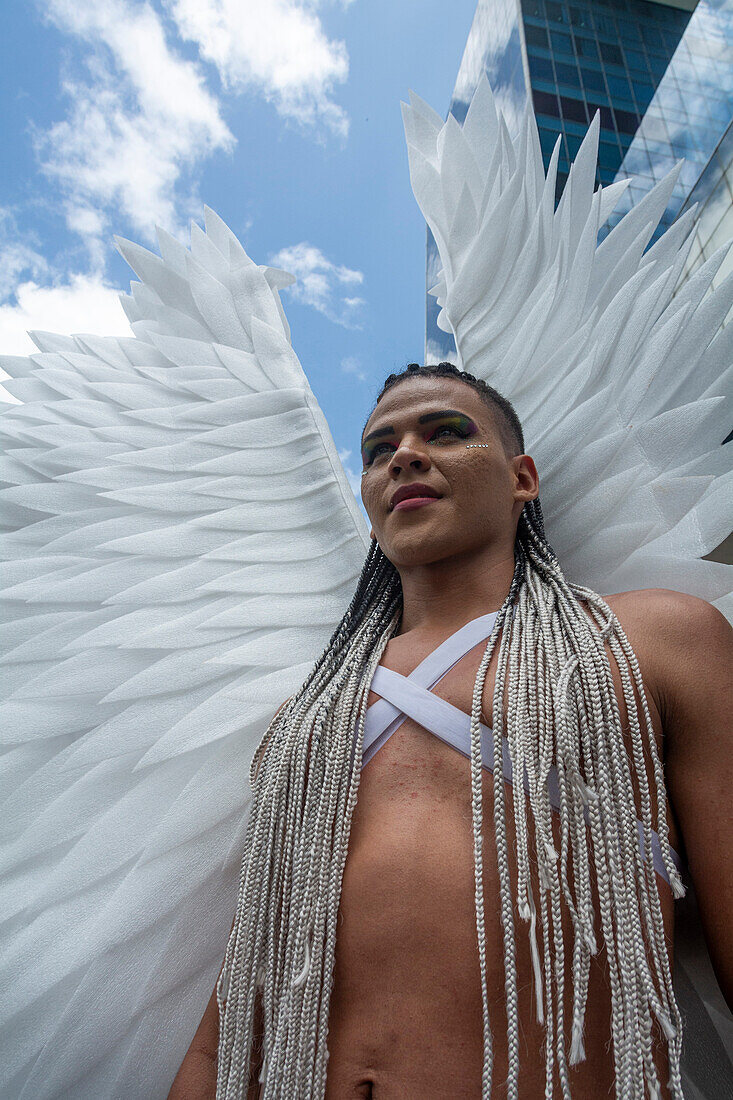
674,636
666,615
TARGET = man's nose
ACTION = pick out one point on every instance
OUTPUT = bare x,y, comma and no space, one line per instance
407,454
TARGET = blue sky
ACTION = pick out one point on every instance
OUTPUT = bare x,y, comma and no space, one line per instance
283,115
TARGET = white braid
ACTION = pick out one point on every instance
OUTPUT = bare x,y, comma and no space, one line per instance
555,702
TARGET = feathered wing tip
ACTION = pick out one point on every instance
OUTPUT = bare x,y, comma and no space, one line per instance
183,541
619,382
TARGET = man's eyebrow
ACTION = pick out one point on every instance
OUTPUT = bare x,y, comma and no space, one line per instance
421,420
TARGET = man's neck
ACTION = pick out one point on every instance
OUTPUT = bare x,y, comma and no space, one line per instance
444,595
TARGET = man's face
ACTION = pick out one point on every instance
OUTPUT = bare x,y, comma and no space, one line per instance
477,503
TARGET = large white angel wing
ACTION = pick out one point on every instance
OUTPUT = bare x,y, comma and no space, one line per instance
620,386
183,541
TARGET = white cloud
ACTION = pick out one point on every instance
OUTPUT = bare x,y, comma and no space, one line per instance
17,256
352,475
277,47
436,353
351,365
85,304
320,282
141,117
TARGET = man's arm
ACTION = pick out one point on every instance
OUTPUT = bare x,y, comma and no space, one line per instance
196,1079
695,676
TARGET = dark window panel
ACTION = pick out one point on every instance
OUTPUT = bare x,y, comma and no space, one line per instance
545,104
658,65
609,154
636,60
593,81
606,116
536,36
605,25
555,12
628,32
579,129
580,17
626,121
611,54
618,87
567,74
541,68
573,109
573,142
651,35
643,93
586,47
561,44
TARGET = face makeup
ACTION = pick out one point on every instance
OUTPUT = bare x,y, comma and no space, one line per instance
450,426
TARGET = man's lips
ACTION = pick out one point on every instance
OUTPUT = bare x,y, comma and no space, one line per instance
413,502
417,490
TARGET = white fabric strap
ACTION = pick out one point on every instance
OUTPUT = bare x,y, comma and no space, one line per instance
408,696
383,717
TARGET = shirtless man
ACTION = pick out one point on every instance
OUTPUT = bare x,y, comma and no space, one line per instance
405,1017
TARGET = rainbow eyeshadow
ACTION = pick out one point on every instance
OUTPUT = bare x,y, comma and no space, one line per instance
461,424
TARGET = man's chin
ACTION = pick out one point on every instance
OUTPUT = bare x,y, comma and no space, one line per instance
415,548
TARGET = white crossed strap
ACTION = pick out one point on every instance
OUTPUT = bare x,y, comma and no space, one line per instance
410,697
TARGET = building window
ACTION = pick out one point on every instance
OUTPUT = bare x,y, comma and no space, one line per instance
626,121
555,12
536,36
541,68
580,18
586,47
611,54
606,116
573,109
545,104
593,81
567,74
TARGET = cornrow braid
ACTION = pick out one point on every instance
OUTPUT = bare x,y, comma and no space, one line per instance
561,714
507,421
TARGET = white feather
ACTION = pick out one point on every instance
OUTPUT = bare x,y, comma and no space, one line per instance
186,543
587,341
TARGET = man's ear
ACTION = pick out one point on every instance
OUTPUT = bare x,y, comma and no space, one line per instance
371,533
527,478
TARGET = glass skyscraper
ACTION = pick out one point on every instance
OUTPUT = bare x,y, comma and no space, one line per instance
660,72
713,194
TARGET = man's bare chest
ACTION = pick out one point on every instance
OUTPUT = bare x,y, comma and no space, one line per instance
407,917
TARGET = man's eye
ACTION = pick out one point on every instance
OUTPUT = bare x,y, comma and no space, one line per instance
375,450
445,428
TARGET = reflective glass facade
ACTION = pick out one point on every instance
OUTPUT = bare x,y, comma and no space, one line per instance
713,193
659,73
586,56
688,113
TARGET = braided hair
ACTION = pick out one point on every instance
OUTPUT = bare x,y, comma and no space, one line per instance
561,713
